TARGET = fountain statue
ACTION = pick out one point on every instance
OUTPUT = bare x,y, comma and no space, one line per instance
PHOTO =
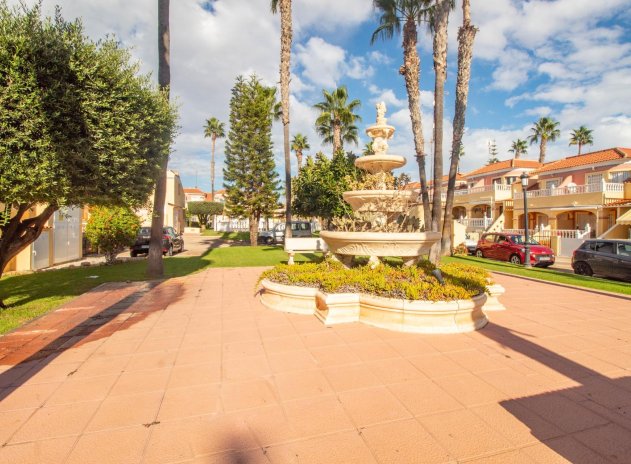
387,232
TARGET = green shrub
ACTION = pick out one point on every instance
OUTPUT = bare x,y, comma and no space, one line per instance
112,228
411,283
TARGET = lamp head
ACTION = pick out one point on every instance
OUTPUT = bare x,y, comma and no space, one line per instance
524,179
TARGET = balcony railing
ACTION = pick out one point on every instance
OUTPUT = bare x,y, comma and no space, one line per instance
476,223
573,190
484,188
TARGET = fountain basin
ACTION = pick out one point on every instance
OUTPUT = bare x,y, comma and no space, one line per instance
404,244
380,130
361,200
380,163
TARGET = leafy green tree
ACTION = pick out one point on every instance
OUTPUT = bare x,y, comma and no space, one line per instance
298,144
110,229
250,177
78,124
368,149
581,136
519,147
204,210
215,130
319,186
543,130
336,122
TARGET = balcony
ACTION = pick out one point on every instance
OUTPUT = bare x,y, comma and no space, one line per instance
476,223
495,192
588,194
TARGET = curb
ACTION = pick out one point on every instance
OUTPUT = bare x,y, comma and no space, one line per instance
575,287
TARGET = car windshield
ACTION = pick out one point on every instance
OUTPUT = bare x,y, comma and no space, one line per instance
519,240
144,231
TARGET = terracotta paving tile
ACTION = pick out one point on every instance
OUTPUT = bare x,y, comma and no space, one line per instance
99,366
564,450
234,457
435,365
318,339
239,350
197,355
464,434
240,335
375,349
195,374
56,421
338,448
269,425
28,396
291,361
206,338
317,416
469,389
250,368
193,400
141,382
404,441
247,394
394,370
121,446
611,441
422,397
350,377
87,389
52,451
283,344
373,406
10,421
150,345
334,356
126,411
510,457
302,384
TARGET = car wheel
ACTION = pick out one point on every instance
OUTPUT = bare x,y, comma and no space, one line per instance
269,241
515,259
583,268
479,253
170,250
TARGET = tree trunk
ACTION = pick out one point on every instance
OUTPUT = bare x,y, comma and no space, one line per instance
410,70
337,137
466,35
212,169
579,147
254,230
155,266
441,20
299,158
285,58
517,154
542,150
19,233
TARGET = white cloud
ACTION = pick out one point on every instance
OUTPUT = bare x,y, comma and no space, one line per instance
538,111
512,70
322,62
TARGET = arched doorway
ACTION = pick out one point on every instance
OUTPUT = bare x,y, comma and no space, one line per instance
577,220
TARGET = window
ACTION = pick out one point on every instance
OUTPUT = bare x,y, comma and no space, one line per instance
594,178
620,176
624,249
604,247
497,181
550,184
510,180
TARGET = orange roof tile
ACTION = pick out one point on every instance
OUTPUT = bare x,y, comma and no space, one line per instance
503,166
609,154
193,190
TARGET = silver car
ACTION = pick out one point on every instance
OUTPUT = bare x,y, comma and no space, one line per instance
277,234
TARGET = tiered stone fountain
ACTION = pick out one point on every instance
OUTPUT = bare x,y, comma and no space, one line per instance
387,205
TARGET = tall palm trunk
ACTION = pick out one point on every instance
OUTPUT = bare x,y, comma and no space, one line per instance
466,35
155,266
579,147
212,169
441,20
299,158
285,57
542,149
411,70
337,136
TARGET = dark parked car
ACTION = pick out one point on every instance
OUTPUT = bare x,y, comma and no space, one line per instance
511,247
171,241
277,234
609,258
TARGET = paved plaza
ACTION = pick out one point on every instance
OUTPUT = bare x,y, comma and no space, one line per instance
196,370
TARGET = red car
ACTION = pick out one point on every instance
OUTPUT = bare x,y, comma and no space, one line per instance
511,248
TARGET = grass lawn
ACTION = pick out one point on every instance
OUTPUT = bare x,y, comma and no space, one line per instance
241,236
31,295
549,275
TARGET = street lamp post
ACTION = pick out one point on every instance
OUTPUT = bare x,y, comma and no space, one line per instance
524,185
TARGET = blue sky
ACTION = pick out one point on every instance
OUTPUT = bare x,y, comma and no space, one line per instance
568,59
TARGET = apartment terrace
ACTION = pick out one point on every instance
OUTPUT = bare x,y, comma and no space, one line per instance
587,194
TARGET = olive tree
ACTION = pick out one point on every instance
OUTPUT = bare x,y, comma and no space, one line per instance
78,124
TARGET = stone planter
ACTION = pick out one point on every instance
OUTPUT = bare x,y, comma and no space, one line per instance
288,298
404,244
337,308
492,302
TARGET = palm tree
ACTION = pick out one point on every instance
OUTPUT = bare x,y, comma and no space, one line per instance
519,147
155,266
581,136
299,143
336,122
545,129
368,149
440,20
285,58
466,36
406,15
214,129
